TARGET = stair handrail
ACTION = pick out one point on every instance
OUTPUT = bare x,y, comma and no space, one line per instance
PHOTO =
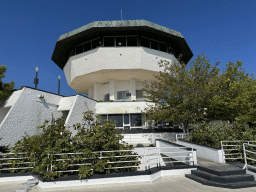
245,158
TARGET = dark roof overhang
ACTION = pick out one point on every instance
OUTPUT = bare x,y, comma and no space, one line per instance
95,29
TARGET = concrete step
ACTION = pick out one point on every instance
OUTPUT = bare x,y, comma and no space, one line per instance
223,179
23,189
236,185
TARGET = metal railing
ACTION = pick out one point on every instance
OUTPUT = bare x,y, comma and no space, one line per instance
245,157
100,157
191,156
14,158
181,136
240,145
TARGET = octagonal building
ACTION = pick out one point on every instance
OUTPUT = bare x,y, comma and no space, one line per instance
110,60
107,59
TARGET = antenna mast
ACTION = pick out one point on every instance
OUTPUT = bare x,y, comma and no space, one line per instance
121,13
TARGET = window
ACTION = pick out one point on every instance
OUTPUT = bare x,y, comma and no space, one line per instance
126,119
163,47
106,97
118,118
88,46
132,41
120,41
154,45
139,94
79,49
136,120
95,43
121,95
145,42
109,42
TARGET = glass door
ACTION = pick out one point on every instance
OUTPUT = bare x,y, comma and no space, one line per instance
127,125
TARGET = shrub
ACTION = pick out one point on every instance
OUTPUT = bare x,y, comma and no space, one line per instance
151,145
139,145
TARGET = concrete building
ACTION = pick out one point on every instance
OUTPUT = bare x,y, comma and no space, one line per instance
108,61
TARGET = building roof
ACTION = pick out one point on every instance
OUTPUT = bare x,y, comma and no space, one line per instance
68,40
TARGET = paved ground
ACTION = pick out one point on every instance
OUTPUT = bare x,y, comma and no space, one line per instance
170,184
175,184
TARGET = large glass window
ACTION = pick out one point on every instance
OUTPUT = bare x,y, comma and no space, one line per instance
132,41
120,41
109,41
106,97
145,42
121,95
118,118
95,43
154,44
136,120
163,47
88,46
139,94
79,49
126,119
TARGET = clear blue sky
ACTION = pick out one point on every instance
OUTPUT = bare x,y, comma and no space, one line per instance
224,30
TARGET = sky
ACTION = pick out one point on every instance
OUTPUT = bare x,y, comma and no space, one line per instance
224,30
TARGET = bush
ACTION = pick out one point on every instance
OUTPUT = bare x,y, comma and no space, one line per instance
212,135
151,145
139,145
55,139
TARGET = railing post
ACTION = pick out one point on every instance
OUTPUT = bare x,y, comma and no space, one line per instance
245,166
48,166
223,153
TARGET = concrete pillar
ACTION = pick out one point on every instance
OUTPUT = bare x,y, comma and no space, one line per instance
96,92
90,92
133,89
112,90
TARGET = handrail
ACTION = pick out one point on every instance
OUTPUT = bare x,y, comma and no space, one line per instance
245,158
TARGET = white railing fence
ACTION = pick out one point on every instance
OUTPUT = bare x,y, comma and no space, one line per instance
181,136
247,158
14,158
232,149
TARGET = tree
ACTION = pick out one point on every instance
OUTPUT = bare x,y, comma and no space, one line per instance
236,95
180,94
6,88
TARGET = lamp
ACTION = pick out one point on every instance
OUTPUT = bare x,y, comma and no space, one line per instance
59,85
36,81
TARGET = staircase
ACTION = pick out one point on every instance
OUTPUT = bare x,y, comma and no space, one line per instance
28,185
226,176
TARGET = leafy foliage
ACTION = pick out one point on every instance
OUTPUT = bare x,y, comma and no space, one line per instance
180,95
5,88
56,139
212,135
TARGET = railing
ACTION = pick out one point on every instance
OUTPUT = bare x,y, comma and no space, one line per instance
223,150
179,157
155,155
101,157
14,158
245,158
180,136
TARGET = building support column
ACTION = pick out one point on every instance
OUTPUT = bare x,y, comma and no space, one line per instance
96,92
133,89
112,90
90,92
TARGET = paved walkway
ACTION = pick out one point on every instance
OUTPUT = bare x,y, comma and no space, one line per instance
174,184
170,184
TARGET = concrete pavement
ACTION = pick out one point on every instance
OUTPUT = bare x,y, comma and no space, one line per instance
174,183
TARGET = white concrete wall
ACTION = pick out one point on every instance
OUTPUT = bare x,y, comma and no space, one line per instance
120,107
27,113
205,152
107,59
81,105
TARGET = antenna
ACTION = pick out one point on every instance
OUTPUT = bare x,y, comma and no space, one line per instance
121,13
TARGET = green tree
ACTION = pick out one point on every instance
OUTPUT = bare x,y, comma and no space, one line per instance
236,96
5,88
180,94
